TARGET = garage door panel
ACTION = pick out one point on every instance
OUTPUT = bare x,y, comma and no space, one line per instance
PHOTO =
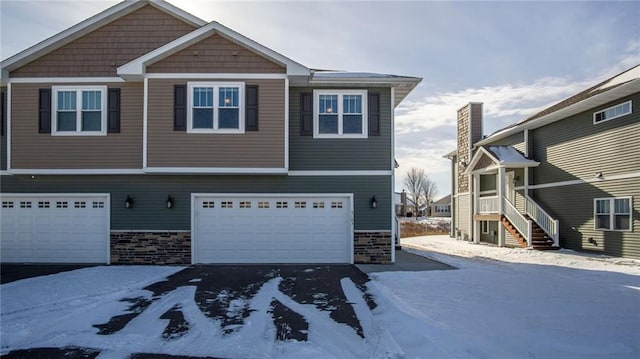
272,229
55,229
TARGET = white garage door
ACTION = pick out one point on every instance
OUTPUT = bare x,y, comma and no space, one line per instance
55,228
272,229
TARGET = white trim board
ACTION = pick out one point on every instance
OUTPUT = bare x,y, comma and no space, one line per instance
89,171
215,170
341,173
214,76
65,80
583,181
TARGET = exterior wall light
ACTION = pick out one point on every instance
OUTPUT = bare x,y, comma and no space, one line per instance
169,202
599,175
128,203
374,202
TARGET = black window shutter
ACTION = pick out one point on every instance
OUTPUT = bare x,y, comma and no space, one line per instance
374,114
44,110
179,107
113,106
306,114
3,113
251,108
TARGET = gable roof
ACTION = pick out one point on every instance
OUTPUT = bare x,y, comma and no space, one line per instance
135,69
444,200
73,33
618,86
501,156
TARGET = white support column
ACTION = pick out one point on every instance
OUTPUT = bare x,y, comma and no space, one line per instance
475,192
500,187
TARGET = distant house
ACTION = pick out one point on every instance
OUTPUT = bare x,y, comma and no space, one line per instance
441,207
568,176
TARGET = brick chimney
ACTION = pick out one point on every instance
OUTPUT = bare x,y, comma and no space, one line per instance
469,132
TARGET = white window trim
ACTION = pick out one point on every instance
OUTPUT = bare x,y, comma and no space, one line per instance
216,86
340,93
78,90
614,117
612,214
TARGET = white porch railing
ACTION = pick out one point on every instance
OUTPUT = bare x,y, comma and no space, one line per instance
543,219
488,204
522,224
397,231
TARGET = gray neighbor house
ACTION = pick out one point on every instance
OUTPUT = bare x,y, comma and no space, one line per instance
568,176
146,135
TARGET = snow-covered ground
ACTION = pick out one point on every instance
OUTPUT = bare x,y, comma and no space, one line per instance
499,303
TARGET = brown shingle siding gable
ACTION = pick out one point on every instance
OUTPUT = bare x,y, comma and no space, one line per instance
99,53
216,54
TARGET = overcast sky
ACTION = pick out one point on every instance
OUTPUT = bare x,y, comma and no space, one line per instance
515,57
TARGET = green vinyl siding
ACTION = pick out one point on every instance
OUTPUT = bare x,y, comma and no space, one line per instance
575,148
308,153
573,207
516,141
150,193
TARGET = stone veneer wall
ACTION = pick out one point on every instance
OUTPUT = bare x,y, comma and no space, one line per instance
372,247
464,147
150,248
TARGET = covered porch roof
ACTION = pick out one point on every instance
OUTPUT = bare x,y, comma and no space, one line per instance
488,158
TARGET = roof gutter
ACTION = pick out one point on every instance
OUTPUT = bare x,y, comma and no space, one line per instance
591,102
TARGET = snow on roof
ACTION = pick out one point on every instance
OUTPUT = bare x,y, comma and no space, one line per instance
508,155
354,75
626,76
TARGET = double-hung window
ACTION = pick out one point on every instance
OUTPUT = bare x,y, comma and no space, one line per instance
215,107
613,214
79,111
340,114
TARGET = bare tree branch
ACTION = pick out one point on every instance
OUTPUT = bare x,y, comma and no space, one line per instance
413,182
428,191
420,188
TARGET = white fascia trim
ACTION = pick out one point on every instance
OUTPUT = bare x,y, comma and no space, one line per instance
462,194
150,230
175,11
286,124
582,106
216,76
215,170
5,173
583,181
101,171
372,230
368,81
56,195
137,67
64,80
145,124
393,178
341,173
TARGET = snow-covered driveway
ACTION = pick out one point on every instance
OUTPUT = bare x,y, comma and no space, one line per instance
500,303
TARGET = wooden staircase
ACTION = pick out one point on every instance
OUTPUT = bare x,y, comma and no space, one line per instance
540,239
